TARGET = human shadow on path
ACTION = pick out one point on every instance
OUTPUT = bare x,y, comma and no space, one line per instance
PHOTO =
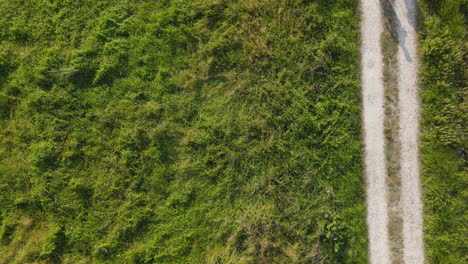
395,26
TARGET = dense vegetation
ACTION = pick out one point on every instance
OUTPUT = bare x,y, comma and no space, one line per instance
444,146
173,131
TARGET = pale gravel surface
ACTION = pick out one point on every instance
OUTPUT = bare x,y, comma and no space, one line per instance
373,118
413,245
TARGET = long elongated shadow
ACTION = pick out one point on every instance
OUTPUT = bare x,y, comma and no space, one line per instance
411,5
396,28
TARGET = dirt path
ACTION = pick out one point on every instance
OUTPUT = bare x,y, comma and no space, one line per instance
373,118
413,245
373,91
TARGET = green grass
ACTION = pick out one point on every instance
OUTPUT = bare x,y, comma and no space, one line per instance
444,119
207,131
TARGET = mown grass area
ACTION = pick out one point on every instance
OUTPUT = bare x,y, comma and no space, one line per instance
208,131
444,139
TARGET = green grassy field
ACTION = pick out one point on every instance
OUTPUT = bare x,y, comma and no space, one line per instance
444,131
208,131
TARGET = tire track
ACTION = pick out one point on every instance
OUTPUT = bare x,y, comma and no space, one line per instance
413,245
373,123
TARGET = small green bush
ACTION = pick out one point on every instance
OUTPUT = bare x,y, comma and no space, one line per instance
7,229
